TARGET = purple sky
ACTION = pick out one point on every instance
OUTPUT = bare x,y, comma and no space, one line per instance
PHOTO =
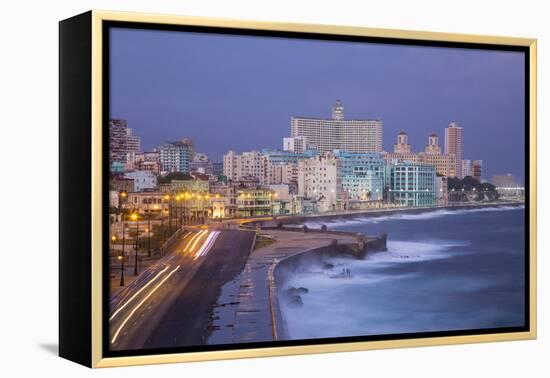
239,92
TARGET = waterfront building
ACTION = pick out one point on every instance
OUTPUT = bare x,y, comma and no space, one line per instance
363,175
251,163
175,156
402,146
507,186
117,141
454,145
338,133
143,180
320,179
252,202
411,184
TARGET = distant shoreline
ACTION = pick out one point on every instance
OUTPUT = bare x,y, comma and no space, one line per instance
300,219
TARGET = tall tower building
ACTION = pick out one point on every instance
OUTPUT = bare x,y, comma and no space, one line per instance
433,147
117,141
338,111
402,146
454,144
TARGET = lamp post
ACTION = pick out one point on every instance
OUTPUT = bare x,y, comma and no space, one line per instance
122,256
135,218
148,232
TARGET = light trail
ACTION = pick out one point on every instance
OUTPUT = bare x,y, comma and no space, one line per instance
191,241
202,233
141,303
207,245
139,291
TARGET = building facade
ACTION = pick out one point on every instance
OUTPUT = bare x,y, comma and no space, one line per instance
363,175
252,202
320,179
338,133
175,156
252,163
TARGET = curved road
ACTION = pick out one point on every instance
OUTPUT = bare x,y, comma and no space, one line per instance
170,304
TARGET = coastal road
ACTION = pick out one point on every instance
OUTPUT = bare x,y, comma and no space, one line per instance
170,304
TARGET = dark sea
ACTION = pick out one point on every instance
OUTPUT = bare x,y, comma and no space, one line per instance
444,270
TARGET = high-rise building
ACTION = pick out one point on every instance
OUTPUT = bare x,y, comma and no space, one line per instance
320,179
454,144
338,133
133,142
251,163
412,184
175,156
117,142
402,146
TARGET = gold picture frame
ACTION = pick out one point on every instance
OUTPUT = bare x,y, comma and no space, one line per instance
93,25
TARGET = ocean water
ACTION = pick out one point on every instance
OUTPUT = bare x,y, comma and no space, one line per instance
444,270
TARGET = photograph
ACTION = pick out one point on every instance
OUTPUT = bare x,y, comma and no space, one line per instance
279,189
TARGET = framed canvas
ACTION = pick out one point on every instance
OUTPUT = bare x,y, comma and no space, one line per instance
235,189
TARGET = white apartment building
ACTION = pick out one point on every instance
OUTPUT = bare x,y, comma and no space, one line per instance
320,179
250,163
337,133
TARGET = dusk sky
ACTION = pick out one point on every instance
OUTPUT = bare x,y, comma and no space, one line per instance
239,92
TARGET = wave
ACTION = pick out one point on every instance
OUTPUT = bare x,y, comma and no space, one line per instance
400,215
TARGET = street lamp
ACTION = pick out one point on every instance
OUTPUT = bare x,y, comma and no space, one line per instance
135,218
122,256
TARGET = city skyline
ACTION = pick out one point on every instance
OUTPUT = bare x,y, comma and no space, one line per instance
465,79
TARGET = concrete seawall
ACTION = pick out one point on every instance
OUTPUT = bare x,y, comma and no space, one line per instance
316,257
301,219
248,309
